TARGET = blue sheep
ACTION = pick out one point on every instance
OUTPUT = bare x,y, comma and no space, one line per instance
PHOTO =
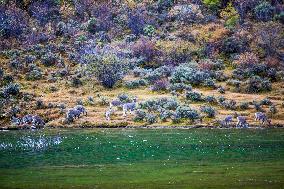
37,121
81,109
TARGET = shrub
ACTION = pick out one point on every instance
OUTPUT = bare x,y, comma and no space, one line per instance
175,118
188,75
140,115
124,98
246,60
185,112
53,89
91,25
11,89
230,104
212,4
60,29
108,69
135,83
210,99
1,73
62,108
273,109
164,4
168,103
244,105
264,11
165,114
232,45
208,110
221,100
130,38
49,59
29,59
240,74
39,104
193,96
7,79
62,72
257,84
44,11
221,90
244,7
150,105
76,81
207,64
151,118
103,100
136,21
147,51
269,38
153,76
230,15
189,13
209,83
34,74
180,87
149,30
220,76
234,82
164,71
13,21
15,65
90,100
140,72
257,106
14,111
280,17
266,101
160,85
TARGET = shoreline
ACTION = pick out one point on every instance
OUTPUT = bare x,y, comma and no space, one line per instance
123,126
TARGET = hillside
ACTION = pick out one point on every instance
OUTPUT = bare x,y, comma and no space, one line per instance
188,62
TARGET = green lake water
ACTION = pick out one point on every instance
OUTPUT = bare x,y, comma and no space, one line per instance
140,158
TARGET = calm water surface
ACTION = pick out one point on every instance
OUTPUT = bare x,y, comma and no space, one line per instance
137,158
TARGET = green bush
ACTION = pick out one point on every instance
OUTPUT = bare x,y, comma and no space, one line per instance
212,4
208,110
149,30
185,112
193,96
264,11
108,69
91,25
151,118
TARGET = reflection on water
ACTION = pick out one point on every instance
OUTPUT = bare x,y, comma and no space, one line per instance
32,143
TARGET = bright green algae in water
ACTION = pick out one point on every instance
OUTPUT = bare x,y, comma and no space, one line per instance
136,158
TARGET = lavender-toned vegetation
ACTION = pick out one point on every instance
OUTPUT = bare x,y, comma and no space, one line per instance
166,62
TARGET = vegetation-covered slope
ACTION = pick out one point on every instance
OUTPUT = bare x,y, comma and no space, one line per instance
186,62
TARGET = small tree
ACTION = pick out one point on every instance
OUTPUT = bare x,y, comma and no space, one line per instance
212,4
108,69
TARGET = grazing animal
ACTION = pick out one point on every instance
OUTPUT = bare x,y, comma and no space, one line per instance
72,114
27,119
261,117
81,109
115,103
37,121
108,114
16,121
228,119
242,122
129,107
258,116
